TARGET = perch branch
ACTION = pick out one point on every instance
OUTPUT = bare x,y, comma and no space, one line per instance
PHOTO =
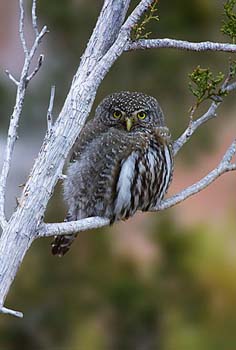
179,45
47,230
70,227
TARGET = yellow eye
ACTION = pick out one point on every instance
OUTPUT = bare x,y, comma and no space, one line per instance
117,114
141,115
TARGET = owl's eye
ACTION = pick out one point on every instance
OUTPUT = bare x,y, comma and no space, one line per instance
117,114
141,115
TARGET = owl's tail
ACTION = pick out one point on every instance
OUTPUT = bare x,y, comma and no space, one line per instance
61,244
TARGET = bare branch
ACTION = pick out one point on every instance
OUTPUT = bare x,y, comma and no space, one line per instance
37,41
10,76
50,108
224,166
70,227
21,27
7,311
14,120
179,45
34,18
194,124
35,71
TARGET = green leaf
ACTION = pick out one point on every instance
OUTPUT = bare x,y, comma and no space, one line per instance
229,24
204,85
139,30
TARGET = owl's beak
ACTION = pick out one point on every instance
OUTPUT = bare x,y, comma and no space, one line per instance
129,123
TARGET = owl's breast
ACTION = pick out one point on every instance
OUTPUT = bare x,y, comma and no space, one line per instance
143,179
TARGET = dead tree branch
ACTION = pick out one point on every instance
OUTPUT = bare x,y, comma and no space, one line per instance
110,38
180,45
20,96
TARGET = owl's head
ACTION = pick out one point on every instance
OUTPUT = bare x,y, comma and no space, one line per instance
130,111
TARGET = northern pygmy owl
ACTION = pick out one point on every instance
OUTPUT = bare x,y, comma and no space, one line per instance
122,162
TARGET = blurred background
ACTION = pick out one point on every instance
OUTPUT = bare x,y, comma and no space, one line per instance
160,280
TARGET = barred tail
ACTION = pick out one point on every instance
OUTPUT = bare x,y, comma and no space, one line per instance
61,244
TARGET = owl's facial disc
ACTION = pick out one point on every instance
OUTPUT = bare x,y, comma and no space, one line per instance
129,120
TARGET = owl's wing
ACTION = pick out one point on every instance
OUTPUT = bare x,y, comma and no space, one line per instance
90,132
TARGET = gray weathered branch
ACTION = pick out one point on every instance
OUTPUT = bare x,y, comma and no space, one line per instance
180,45
70,227
110,38
20,96
7,311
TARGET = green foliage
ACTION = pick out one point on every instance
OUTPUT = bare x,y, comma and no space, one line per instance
139,31
204,85
232,69
229,25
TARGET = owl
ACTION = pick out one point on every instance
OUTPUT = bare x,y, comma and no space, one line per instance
122,162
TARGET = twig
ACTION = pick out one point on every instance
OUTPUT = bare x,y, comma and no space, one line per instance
35,71
50,108
37,41
34,18
10,76
224,166
5,310
179,45
21,27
